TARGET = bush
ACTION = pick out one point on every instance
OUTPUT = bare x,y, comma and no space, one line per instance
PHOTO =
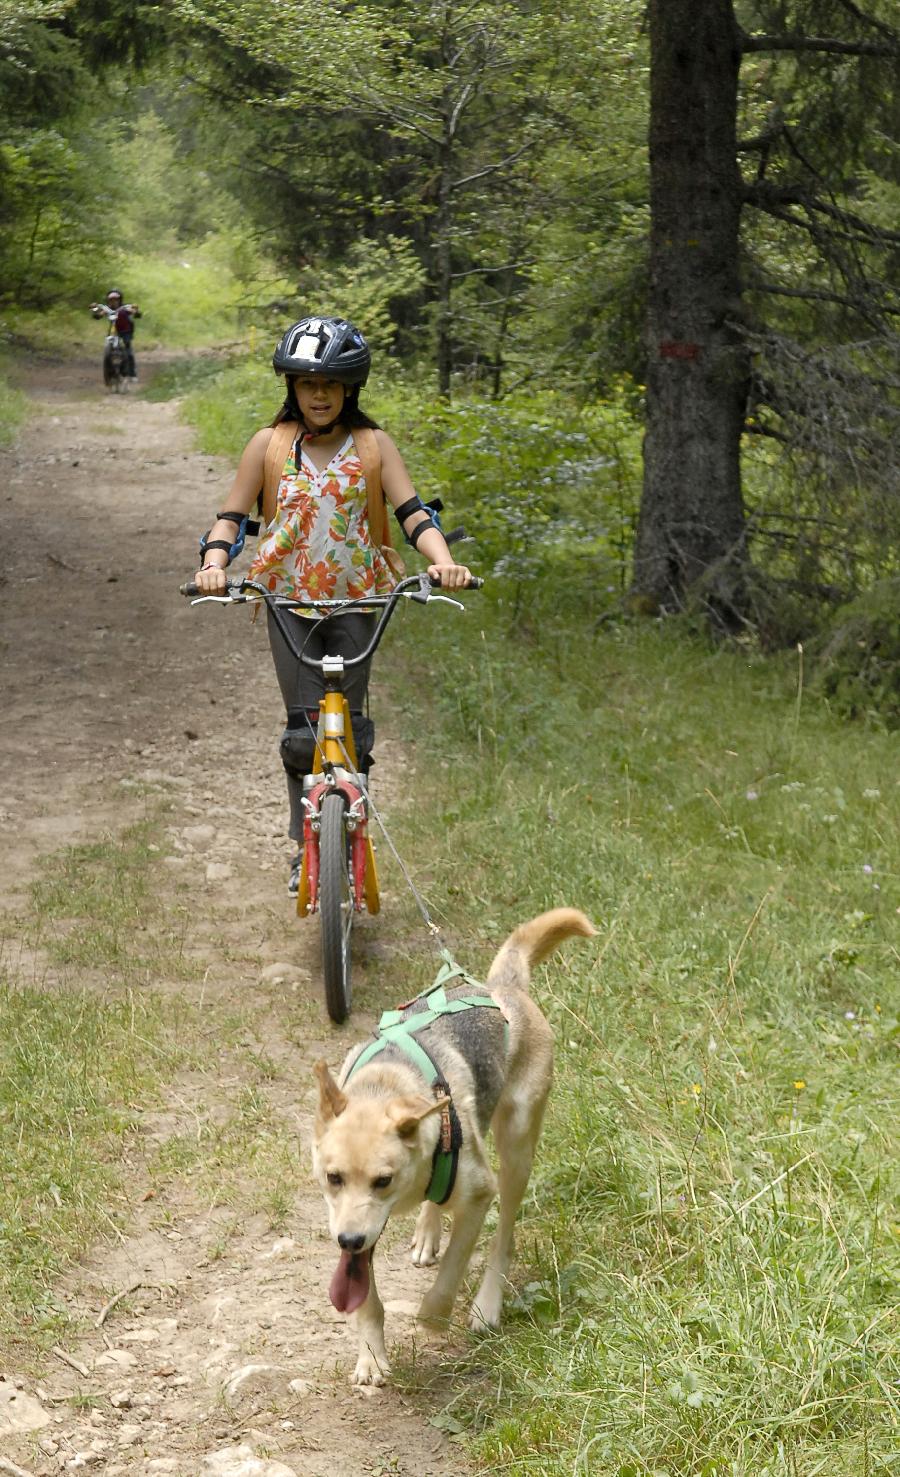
858,666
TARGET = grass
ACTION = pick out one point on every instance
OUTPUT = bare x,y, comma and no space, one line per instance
13,408
709,1255
99,908
77,1062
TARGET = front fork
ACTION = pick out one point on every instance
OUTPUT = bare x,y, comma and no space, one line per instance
335,736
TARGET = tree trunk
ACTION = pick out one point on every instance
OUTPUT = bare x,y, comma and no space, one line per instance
690,540
443,225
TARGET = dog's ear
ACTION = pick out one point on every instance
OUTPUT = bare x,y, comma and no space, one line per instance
406,1113
332,1101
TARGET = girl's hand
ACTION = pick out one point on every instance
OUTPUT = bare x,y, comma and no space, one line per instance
210,580
451,576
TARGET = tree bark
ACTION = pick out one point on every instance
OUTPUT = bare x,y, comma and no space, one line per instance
690,539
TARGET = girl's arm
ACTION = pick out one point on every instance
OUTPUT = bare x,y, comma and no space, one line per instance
248,479
398,489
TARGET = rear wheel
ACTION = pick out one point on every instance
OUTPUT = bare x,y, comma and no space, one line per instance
112,369
335,905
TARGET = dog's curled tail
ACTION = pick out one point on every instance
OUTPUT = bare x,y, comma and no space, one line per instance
532,942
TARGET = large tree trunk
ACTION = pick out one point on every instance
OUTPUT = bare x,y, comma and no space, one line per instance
691,533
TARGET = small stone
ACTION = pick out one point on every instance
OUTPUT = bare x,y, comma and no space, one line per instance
219,871
120,1358
284,1247
199,835
18,1411
277,973
239,1461
301,1387
121,1399
254,1380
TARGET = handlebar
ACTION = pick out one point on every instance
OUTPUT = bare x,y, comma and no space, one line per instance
237,588
416,587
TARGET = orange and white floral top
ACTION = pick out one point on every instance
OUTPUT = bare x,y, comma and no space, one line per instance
317,545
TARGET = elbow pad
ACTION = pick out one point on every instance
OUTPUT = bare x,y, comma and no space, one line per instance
416,505
244,526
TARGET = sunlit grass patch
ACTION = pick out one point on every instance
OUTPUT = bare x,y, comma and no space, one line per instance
78,1059
98,905
74,1069
245,1156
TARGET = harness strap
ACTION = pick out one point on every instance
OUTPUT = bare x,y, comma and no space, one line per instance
400,1028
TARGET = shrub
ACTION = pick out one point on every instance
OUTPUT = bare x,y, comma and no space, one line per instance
858,665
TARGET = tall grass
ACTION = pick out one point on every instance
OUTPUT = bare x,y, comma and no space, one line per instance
709,1255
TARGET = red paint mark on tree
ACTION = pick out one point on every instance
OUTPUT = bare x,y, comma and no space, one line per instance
671,348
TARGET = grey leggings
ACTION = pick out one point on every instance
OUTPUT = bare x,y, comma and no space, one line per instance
302,687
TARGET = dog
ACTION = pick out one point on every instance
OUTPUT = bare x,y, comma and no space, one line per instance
405,1126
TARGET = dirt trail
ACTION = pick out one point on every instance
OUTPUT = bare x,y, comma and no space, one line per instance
225,1357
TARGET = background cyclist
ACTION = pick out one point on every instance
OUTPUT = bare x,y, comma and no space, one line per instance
121,317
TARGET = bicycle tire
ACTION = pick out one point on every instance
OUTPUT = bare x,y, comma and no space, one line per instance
112,371
335,907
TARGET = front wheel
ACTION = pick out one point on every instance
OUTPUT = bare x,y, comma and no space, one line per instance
335,905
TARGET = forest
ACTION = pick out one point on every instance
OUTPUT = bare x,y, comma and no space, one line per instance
704,319
629,273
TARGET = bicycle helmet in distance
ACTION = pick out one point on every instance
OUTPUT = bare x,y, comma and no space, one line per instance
331,347
114,292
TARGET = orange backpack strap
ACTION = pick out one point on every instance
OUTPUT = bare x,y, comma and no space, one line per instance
283,437
369,453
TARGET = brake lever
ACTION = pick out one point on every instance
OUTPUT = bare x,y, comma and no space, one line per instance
447,600
229,599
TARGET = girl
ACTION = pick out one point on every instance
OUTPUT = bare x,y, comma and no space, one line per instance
319,542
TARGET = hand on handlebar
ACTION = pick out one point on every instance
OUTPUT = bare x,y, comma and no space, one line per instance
211,581
450,576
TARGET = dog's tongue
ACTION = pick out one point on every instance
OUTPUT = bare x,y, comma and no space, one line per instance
350,1283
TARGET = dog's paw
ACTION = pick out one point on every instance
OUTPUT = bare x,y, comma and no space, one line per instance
484,1316
369,1371
426,1241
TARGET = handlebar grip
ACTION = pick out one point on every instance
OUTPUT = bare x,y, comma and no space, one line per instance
191,588
475,583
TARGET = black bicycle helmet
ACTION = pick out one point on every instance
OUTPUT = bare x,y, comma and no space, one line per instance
331,347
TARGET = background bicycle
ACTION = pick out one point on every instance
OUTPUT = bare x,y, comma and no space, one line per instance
118,359
338,876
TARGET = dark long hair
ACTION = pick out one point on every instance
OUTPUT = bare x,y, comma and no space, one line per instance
351,415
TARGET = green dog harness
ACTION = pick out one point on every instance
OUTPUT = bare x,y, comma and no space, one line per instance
400,1028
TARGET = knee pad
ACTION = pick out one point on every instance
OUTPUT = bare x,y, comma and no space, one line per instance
298,742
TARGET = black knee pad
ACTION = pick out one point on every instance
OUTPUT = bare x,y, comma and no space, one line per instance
298,743
363,740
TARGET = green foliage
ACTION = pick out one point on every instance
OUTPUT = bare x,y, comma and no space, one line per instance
368,286
546,489
858,660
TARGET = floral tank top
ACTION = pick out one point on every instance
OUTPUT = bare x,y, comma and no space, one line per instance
317,545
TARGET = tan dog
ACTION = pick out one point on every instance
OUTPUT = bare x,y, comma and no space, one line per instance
387,1138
